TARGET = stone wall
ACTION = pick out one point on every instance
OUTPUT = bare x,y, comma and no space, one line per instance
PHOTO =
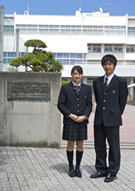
30,122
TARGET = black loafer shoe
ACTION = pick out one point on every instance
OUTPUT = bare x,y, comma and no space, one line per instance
78,173
109,178
71,173
97,175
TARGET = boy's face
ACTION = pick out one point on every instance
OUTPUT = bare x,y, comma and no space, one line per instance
76,77
108,68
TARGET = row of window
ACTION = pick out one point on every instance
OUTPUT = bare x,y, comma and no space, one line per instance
70,55
13,54
70,29
8,56
56,55
64,58
92,62
110,48
71,61
69,26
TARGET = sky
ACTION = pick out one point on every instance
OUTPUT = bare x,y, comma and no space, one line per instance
68,7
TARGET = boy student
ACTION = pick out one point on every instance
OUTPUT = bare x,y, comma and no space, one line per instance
110,96
75,104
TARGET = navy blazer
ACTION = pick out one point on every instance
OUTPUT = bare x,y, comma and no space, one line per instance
110,101
70,101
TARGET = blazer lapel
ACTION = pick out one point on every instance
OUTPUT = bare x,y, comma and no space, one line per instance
102,82
71,86
82,89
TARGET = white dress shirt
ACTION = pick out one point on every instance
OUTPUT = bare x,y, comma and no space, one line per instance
109,78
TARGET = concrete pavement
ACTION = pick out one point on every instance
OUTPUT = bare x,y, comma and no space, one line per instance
45,169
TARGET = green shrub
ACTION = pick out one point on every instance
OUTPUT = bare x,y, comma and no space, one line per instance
65,82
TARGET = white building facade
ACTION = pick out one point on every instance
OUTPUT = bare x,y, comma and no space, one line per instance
81,39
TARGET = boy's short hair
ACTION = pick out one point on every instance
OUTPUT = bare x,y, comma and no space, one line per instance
78,68
109,57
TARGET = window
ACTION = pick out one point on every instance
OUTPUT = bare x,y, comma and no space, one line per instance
65,61
79,55
66,55
9,59
79,62
131,31
11,54
72,62
90,81
59,60
113,48
41,31
130,48
8,30
108,48
93,62
130,62
114,30
22,54
4,61
4,54
51,31
94,48
120,62
72,55
22,31
29,31
118,48
45,31
59,55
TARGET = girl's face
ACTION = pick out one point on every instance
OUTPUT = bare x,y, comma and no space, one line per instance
76,77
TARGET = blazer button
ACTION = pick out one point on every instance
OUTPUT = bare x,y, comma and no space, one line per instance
77,104
78,111
104,100
104,92
77,98
103,107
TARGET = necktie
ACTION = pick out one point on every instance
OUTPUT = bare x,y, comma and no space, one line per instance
106,82
77,88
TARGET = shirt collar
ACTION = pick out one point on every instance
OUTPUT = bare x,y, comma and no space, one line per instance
109,77
76,84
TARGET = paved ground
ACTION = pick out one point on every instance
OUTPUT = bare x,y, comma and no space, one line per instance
42,169
35,169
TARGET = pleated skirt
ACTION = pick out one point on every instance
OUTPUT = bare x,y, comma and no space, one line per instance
76,132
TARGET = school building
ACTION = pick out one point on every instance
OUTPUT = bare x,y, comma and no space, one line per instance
80,39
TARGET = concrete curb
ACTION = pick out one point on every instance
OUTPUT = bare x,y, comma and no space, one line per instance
90,145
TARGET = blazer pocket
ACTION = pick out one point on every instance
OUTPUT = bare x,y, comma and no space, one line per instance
115,110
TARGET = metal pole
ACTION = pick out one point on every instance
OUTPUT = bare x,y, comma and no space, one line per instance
17,45
1,36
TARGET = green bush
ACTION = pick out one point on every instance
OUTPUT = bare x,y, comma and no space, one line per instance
65,82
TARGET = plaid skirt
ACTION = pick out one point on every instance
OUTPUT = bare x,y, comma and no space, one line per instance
74,132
